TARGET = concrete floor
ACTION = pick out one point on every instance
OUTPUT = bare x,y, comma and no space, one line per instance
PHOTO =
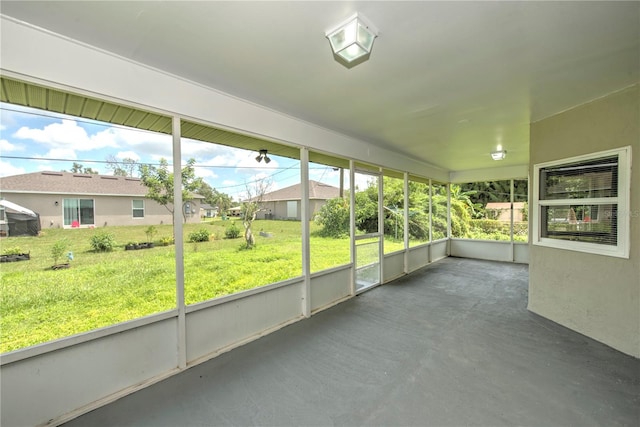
449,345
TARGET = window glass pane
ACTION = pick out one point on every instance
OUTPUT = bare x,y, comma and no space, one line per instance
439,211
97,281
520,210
70,211
580,201
393,205
419,213
329,244
256,240
138,208
581,223
590,179
481,210
86,212
366,188
367,262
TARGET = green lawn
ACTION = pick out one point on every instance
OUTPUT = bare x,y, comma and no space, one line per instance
38,304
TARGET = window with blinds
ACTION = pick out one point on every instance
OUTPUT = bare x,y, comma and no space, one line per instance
581,203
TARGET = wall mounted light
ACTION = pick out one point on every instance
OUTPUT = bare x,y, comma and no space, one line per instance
263,155
56,203
352,40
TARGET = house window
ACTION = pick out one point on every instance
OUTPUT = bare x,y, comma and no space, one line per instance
582,203
78,212
138,208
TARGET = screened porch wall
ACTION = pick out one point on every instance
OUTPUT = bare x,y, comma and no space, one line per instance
119,359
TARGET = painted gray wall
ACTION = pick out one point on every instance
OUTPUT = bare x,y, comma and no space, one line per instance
109,210
598,296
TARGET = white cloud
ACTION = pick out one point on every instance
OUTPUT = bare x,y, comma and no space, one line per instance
7,147
7,169
2,127
128,155
67,135
205,172
45,165
61,153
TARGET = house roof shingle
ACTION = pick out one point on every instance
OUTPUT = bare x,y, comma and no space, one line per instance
317,191
72,183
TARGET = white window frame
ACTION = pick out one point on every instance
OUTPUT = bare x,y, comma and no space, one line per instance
133,209
621,249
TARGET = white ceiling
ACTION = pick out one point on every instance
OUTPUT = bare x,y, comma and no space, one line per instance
446,81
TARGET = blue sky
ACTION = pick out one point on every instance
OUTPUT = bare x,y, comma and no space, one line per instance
34,140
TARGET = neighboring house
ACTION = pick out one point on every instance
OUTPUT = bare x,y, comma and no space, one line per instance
208,211
235,211
285,203
503,210
69,200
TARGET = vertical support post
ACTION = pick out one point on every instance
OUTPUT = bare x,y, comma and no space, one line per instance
406,223
448,219
304,216
381,223
429,260
512,198
179,245
352,224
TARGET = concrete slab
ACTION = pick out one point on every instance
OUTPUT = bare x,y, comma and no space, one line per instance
449,345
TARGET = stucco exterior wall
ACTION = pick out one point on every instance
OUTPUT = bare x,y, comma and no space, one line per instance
598,296
108,210
278,210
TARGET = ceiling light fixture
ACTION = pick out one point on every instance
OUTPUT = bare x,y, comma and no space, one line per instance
499,154
352,40
263,155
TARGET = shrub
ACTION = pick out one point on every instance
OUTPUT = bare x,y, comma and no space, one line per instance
334,218
166,241
201,235
15,250
102,241
58,249
151,231
232,232
460,219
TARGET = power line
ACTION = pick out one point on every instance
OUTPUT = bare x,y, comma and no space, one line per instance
141,163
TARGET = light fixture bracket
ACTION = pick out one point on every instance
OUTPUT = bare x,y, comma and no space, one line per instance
263,155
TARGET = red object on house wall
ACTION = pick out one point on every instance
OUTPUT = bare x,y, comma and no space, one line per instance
75,224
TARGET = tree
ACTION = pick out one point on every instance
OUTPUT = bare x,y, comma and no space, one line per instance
222,201
251,206
124,167
159,183
467,198
78,168
215,198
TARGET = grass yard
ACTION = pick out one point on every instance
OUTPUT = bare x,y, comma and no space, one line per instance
38,304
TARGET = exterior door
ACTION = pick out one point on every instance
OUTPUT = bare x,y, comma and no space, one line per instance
368,237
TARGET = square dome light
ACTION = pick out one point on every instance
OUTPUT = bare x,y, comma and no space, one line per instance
352,40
